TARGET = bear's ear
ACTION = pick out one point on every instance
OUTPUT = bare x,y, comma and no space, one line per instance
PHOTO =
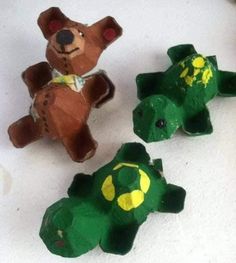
106,30
51,20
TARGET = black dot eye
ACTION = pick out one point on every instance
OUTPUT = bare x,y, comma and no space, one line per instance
81,34
161,123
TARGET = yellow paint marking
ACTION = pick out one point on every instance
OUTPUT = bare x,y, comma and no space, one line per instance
198,62
144,181
196,71
184,73
60,233
108,189
131,200
118,166
189,80
207,74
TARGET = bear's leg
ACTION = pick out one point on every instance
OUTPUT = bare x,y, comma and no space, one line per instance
24,131
36,76
98,89
80,146
227,84
119,239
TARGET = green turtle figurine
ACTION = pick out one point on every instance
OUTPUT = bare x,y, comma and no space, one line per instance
107,208
178,97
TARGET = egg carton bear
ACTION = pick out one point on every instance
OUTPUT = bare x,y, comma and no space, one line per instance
62,103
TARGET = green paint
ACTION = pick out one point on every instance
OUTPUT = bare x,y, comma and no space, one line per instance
97,215
178,97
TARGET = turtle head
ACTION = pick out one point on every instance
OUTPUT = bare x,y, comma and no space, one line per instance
69,227
156,118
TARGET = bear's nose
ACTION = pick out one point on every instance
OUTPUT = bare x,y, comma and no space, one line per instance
65,37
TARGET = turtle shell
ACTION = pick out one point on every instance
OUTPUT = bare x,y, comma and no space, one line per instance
128,191
190,83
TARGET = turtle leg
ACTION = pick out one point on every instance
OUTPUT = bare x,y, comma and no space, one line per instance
199,124
80,146
133,152
157,165
119,239
36,76
226,84
213,60
172,200
148,84
178,53
81,185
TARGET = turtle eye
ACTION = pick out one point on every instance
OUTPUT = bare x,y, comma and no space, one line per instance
81,34
161,123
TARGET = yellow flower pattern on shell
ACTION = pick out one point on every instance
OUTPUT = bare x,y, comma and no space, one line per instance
108,189
198,66
198,62
131,200
207,74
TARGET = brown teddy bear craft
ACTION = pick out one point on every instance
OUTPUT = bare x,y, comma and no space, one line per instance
62,98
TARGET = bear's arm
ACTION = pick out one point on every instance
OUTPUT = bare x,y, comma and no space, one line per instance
37,76
98,89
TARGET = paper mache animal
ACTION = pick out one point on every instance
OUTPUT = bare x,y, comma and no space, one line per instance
108,207
178,97
62,103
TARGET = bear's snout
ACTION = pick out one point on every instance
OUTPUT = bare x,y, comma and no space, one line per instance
65,37
66,42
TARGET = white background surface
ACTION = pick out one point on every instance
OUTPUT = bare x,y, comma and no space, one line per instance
205,166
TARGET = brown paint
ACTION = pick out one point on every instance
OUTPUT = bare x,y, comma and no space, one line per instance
59,112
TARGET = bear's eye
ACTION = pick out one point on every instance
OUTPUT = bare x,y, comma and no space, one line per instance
81,34
161,123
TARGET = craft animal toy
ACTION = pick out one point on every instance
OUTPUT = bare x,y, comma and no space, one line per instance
108,207
61,104
178,97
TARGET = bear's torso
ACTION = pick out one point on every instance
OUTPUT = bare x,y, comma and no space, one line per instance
59,110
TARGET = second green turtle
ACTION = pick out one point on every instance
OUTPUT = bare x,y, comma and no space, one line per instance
107,208
178,97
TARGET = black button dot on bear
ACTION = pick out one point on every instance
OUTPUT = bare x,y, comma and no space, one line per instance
65,37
